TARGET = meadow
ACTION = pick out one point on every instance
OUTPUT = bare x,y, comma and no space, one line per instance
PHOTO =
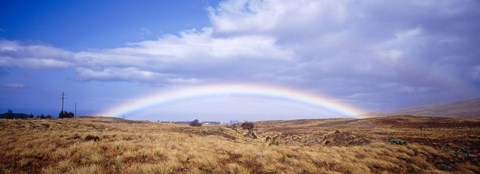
399,144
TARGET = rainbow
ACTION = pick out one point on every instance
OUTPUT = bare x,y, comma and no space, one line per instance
289,94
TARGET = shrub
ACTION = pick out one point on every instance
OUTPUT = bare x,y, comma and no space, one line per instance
45,125
92,138
445,148
65,114
463,153
195,123
247,125
251,134
396,141
76,136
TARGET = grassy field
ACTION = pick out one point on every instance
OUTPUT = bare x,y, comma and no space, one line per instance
401,144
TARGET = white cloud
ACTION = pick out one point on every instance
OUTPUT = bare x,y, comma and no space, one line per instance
45,62
118,74
270,17
393,54
147,59
193,45
184,81
23,55
14,85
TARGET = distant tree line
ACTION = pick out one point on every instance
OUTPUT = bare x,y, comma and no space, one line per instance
11,115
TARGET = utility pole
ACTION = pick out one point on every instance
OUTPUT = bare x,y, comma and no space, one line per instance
63,98
75,108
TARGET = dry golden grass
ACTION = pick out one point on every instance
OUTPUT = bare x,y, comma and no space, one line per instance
108,145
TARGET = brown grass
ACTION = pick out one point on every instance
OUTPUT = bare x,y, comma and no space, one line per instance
108,145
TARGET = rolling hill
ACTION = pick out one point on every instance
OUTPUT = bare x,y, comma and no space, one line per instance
464,108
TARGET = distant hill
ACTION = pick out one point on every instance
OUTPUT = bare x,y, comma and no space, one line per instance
465,108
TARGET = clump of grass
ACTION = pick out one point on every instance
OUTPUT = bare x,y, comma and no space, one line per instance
445,148
96,158
90,169
272,141
463,153
396,141
45,125
65,166
92,138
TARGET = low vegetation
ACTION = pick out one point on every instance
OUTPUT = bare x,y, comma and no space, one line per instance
195,123
110,145
396,141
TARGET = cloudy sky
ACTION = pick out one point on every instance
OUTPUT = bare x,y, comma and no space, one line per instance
371,54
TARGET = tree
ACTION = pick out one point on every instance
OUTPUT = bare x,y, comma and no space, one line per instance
65,114
9,114
195,123
247,125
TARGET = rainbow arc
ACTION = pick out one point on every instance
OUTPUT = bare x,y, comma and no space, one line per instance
275,92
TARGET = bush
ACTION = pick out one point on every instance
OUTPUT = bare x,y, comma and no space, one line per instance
45,125
445,148
92,138
65,114
397,141
463,153
247,125
195,123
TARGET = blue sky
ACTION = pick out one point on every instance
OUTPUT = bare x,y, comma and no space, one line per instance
80,25
374,55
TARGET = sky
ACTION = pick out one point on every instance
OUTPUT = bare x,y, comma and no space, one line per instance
370,55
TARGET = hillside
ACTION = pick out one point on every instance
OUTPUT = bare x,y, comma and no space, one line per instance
401,144
465,108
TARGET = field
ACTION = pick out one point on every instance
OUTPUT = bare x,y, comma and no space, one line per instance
400,144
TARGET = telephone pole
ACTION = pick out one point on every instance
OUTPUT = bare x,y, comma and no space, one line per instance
75,108
63,98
